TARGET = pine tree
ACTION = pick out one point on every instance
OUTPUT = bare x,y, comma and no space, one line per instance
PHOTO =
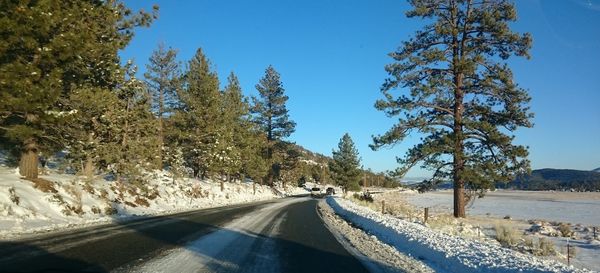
110,129
197,121
345,166
163,79
47,49
254,154
462,95
87,129
271,114
290,168
236,126
131,147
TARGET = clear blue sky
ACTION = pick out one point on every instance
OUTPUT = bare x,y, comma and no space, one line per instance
331,56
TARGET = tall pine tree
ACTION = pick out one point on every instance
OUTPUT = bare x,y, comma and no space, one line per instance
235,111
163,79
48,48
198,120
461,94
271,114
345,166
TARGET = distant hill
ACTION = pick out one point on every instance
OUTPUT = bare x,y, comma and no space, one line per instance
557,179
542,179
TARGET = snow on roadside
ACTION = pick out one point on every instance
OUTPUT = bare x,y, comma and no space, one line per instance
378,256
68,201
442,252
532,213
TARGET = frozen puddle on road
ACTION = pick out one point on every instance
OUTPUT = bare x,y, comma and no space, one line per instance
246,244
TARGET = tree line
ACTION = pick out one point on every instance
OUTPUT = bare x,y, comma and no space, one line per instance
64,89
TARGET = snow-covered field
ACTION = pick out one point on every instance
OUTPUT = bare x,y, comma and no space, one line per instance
61,201
534,213
571,207
440,251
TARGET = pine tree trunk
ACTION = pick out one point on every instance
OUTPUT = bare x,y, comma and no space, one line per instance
222,184
458,157
88,169
28,165
254,187
271,177
159,160
126,129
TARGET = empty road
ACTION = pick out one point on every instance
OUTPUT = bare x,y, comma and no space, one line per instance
285,235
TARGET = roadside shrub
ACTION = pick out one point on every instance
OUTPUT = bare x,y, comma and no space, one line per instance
152,194
565,229
360,201
365,196
141,201
110,210
88,188
441,221
104,194
75,209
43,185
545,247
96,210
507,235
78,204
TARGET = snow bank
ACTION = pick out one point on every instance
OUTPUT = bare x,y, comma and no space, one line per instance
63,201
442,252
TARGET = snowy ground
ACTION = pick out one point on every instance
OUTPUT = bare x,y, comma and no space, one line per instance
368,248
570,207
63,201
536,214
440,251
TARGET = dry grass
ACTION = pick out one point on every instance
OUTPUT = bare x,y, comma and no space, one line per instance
42,184
196,192
507,234
440,221
77,196
152,194
565,230
96,210
540,247
141,201
89,188
104,194
372,205
545,247
109,210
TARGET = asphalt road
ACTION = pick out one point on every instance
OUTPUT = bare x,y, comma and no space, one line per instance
285,235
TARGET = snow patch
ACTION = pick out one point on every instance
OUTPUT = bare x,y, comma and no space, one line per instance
442,252
61,201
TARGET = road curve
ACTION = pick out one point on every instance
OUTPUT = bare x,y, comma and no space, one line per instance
285,235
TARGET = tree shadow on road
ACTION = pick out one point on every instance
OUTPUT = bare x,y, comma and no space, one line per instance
40,260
